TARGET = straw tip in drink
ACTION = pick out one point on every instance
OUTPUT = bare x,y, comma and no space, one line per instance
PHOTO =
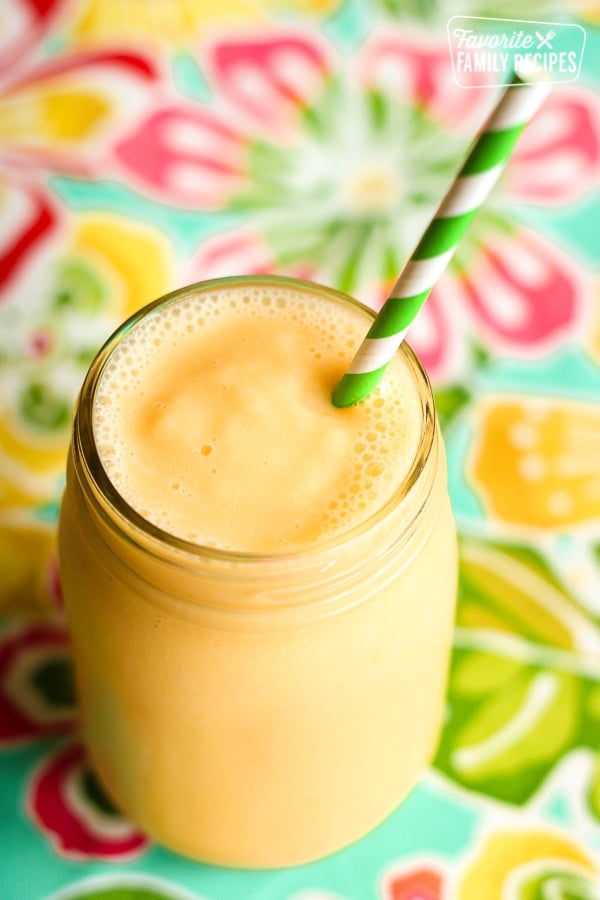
356,387
343,395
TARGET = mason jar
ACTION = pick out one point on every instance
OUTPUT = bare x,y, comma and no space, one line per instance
258,710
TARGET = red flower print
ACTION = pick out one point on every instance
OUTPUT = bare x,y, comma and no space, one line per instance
28,217
68,805
25,22
36,686
413,882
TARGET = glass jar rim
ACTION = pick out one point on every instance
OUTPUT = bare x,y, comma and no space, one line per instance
87,459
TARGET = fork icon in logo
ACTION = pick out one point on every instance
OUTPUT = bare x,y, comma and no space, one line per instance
545,41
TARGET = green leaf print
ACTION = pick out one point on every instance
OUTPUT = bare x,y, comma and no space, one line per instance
449,401
125,887
437,12
344,192
43,408
477,674
481,355
505,741
594,792
422,9
122,893
557,884
524,686
511,588
77,289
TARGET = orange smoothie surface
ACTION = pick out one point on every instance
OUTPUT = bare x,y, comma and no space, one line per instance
213,420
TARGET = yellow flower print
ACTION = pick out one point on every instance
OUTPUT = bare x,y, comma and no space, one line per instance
54,117
536,461
60,113
28,467
179,21
135,259
27,551
523,863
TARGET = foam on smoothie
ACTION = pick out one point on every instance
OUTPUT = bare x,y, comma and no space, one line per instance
213,420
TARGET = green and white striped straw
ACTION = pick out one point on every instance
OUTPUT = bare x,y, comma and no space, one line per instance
483,166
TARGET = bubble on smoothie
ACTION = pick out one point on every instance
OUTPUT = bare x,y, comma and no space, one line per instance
387,421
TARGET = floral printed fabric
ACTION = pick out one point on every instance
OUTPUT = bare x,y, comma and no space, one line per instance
145,144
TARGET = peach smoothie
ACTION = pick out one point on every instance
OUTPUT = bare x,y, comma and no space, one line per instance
260,587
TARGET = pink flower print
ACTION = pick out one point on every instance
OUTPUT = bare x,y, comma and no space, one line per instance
418,70
436,343
187,154
241,253
36,687
199,157
267,80
557,159
68,806
333,167
524,293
